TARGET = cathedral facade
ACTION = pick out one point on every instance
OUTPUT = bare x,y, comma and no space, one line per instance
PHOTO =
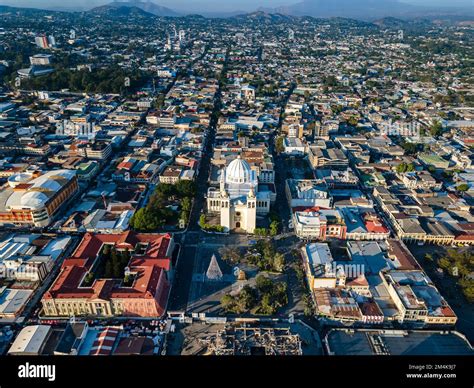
238,199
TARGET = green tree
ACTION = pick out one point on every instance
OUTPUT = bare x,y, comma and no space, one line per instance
352,121
202,221
185,188
263,283
106,250
445,264
467,286
279,144
89,279
436,129
230,254
266,305
138,219
410,148
108,273
402,167
186,204
279,262
228,303
247,298
274,228
116,268
124,258
260,232
308,305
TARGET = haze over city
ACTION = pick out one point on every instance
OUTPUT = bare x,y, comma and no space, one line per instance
191,6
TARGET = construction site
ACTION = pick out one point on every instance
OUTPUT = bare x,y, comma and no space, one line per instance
210,337
246,341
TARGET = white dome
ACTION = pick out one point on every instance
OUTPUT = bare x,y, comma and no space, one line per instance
238,171
17,179
34,200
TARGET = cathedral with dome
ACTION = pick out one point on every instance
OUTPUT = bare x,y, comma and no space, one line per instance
238,199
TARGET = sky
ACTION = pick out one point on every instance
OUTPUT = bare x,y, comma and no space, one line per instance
204,5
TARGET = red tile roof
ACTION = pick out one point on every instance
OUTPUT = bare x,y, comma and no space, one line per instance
465,237
309,209
149,269
370,309
91,244
447,311
375,227
104,342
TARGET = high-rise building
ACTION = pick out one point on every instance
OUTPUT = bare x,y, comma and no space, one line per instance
45,42
42,41
41,60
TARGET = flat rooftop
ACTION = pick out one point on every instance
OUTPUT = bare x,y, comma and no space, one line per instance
397,342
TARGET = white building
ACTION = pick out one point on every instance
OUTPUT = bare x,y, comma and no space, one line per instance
238,200
308,225
41,59
27,268
31,340
294,146
307,193
321,269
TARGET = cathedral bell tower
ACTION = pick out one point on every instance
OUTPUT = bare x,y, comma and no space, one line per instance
225,211
251,216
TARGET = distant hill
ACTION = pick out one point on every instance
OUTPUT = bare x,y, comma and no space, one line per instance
383,13
348,8
371,9
134,5
221,15
264,17
390,22
114,10
395,23
26,11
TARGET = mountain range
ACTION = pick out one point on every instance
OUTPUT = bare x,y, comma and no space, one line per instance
368,10
135,6
360,9
348,8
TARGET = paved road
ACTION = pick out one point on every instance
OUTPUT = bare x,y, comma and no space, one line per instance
184,269
197,245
